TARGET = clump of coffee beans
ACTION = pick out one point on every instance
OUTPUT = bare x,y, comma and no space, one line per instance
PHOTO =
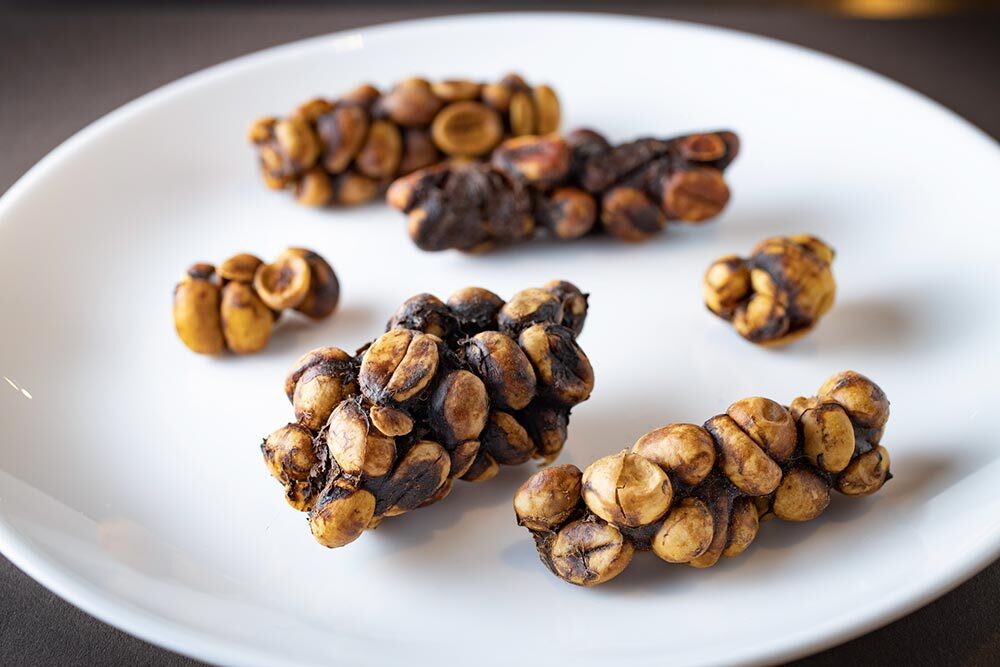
345,151
235,305
566,187
452,390
692,494
776,295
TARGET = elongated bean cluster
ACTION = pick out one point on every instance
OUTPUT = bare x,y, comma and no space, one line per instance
345,151
776,295
692,494
235,305
567,187
451,390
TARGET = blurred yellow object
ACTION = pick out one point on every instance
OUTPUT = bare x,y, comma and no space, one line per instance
890,9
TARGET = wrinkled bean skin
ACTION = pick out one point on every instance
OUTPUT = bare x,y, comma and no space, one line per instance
445,393
693,494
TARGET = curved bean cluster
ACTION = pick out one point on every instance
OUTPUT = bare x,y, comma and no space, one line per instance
345,151
568,187
692,494
776,295
451,390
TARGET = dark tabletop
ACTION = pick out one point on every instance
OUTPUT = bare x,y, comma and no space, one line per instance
61,68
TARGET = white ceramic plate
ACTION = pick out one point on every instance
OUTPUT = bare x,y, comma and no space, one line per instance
130,477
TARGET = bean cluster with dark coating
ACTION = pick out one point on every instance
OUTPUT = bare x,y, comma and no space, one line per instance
452,390
235,305
346,151
567,186
776,295
692,494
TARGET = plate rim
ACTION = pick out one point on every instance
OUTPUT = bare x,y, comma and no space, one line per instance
184,639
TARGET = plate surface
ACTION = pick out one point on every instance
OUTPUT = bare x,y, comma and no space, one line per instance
130,477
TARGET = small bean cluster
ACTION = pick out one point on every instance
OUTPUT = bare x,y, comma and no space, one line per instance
692,494
567,186
235,305
451,390
776,295
345,151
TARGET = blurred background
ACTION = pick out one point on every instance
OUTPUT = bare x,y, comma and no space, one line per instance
65,64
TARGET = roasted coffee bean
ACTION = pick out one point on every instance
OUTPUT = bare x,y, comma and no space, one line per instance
342,133
827,436
285,148
240,268
467,129
695,195
768,423
314,188
503,367
745,464
283,283
390,421
522,112
292,459
411,103
802,495
563,371
398,366
318,382
462,457
587,553
684,450
547,499
727,475
865,474
425,313
726,285
629,214
574,303
356,445
196,315
686,533
246,320
381,152
341,515
527,307
567,212
743,525
483,468
626,489
324,288
459,408
506,440
417,477
456,90
476,309
541,161
350,188
548,114
547,426
862,399
419,150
